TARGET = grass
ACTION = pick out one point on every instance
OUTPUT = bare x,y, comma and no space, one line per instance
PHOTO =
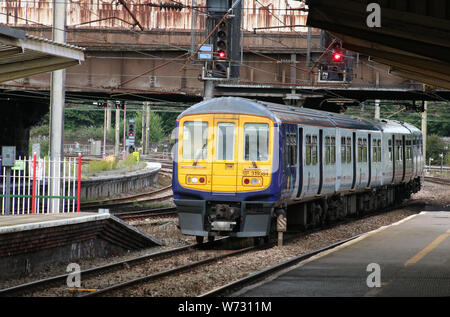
111,163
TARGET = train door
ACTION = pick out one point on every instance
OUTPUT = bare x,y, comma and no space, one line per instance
300,162
362,168
320,161
310,166
329,177
369,158
224,155
354,160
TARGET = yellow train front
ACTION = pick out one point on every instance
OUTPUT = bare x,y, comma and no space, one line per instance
224,180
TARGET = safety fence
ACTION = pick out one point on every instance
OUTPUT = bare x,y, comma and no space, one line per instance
41,185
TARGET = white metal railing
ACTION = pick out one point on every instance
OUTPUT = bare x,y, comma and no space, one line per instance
40,185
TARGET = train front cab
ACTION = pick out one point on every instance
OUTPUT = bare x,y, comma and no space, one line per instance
223,181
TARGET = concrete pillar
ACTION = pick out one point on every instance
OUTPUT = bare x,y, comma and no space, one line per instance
208,92
108,119
424,129
117,141
377,109
57,105
147,128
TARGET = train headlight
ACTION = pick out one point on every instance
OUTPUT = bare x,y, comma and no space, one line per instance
252,181
196,179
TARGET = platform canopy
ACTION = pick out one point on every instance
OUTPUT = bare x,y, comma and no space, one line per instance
23,55
414,37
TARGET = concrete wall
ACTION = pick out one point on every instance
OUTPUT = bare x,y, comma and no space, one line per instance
110,186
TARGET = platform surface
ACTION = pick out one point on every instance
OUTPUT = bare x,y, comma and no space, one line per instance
36,221
413,258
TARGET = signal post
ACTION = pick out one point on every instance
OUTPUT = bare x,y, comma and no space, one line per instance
221,50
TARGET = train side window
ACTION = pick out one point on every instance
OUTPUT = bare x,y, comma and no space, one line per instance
390,150
343,149
314,150
374,151
291,142
364,150
379,150
349,150
359,150
398,150
195,140
327,150
308,149
333,150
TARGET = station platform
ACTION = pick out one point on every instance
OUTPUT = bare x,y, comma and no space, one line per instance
409,258
30,242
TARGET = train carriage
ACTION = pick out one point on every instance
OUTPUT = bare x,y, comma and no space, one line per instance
238,163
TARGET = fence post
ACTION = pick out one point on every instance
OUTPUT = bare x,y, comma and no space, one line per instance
33,194
79,183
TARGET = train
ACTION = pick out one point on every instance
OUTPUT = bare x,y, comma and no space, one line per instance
239,164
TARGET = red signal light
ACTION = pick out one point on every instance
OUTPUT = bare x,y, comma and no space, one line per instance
131,134
222,54
337,57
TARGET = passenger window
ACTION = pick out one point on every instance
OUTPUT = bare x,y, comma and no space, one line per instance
343,149
364,150
292,149
195,140
256,142
379,150
390,150
308,149
333,150
225,141
327,150
349,150
374,151
314,150
359,150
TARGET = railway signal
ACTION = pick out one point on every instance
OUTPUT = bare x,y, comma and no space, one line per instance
131,132
221,48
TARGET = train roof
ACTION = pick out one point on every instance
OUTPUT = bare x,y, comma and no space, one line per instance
280,113
297,115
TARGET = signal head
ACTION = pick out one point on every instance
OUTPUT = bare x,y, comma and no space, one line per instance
222,54
337,56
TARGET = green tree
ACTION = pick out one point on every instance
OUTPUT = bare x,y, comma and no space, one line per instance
435,146
156,127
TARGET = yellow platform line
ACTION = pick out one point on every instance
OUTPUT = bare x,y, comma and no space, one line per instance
427,249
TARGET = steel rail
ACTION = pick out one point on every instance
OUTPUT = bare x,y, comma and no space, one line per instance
35,285
156,276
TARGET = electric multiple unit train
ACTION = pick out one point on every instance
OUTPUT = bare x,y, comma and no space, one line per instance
239,163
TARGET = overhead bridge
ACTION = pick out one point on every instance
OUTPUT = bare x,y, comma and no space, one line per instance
412,37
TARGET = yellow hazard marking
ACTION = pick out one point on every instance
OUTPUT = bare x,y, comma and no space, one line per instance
428,249
82,289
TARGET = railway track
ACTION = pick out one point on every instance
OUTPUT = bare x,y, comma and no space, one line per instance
437,180
107,280
146,213
158,195
96,281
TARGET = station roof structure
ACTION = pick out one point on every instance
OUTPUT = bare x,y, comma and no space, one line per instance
413,38
23,55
